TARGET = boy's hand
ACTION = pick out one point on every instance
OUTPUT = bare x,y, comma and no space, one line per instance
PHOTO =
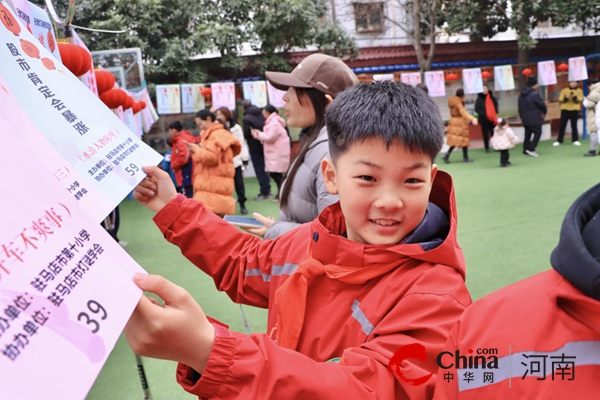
178,330
266,221
475,122
156,190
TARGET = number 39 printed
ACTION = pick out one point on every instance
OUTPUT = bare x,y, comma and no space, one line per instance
95,308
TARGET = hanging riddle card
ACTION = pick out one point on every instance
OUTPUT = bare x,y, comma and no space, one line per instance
546,73
37,90
435,83
577,69
66,286
504,78
411,78
472,80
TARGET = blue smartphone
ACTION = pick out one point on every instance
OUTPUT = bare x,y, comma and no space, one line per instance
243,222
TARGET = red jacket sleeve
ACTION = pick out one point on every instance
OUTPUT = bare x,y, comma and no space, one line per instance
255,367
179,155
219,249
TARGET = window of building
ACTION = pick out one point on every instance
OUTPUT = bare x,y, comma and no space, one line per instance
368,17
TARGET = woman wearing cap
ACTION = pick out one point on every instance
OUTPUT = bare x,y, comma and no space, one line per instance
310,87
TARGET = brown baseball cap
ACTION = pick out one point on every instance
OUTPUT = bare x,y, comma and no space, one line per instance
327,74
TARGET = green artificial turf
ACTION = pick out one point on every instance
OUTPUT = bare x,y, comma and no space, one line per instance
509,220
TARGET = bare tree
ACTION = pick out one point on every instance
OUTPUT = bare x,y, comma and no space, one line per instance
419,21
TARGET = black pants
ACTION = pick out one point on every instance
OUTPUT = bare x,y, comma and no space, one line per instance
277,177
529,143
487,130
565,117
111,223
258,162
504,156
240,189
465,151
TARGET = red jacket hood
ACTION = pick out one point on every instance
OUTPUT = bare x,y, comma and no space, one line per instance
333,248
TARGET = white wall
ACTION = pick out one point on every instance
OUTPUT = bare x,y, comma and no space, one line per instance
392,35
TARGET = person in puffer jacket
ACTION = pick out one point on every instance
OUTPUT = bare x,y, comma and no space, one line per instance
213,180
276,144
504,139
239,161
590,103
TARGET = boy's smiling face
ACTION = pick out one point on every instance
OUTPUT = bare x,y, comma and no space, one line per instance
383,192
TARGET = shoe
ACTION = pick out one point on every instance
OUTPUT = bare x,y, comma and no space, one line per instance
556,144
122,243
590,154
503,165
263,197
577,143
467,160
531,153
243,209
446,158
508,163
275,199
487,151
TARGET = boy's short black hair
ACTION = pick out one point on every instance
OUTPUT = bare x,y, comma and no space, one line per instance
176,125
391,111
204,114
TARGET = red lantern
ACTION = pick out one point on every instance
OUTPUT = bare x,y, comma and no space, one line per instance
128,103
142,104
75,58
136,107
486,75
206,92
563,67
527,72
451,77
105,81
113,98
87,61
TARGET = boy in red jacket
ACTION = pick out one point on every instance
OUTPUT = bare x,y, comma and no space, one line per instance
545,330
375,272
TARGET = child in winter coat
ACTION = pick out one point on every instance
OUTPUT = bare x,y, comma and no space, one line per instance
504,139
377,274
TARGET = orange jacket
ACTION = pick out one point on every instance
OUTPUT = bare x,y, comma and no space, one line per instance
458,127
180,155
363,325
214,171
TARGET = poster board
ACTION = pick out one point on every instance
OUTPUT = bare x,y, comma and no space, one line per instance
168,100
435,83
503,78
472,80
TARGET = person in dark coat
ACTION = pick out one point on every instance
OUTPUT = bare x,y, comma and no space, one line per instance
254,119
486,107
532,111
